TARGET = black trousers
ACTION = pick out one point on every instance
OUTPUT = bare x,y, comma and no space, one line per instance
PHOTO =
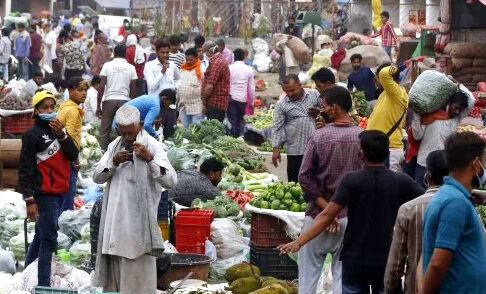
293,167
216,113
357,278
236,112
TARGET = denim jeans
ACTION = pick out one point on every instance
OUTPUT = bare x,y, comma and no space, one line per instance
358,278
188,119
68,198
4,69
23,68
388,50
45,238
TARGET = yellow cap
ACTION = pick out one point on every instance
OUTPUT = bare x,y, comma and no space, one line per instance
39,96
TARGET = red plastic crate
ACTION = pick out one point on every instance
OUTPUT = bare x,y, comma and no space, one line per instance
17,124
267,231
192,249
192,228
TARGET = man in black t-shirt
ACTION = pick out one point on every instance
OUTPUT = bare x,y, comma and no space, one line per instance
372,197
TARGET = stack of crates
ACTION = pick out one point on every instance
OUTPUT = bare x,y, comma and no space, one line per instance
192,229
163,215
267,232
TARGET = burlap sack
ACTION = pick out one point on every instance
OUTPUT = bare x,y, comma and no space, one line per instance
466,49
300,50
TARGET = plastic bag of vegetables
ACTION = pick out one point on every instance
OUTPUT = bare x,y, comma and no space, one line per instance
63,241
80,253
71,222
180,159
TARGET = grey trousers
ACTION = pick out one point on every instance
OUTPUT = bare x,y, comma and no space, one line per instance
106,132
131,276
313,254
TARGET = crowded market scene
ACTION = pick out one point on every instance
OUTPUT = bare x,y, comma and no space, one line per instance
242,146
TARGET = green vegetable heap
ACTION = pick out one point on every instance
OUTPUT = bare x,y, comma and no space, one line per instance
267,147
221,205
261,121
361,104
281,196
206,132
482,213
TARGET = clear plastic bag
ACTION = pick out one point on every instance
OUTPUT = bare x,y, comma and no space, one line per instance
71,222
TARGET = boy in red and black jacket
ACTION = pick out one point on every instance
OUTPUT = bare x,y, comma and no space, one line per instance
44,172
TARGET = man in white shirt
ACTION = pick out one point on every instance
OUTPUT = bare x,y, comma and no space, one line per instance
91,102
160,73
118,79
242,88
50,41
136,170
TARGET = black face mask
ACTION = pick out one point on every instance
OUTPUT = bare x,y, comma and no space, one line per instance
326,117
356,67
475,182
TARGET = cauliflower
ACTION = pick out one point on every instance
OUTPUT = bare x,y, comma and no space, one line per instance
92,141
83,142
86,153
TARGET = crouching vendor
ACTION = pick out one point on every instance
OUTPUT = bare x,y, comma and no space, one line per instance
200,184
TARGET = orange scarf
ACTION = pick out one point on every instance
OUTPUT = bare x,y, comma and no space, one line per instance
196,65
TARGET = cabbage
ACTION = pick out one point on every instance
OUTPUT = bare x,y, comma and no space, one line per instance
80,253
85,233
17,245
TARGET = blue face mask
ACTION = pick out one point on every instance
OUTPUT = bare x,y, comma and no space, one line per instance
47,116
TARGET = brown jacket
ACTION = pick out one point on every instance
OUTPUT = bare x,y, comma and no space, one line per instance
406,247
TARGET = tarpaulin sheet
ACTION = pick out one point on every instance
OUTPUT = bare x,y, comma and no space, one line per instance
468,16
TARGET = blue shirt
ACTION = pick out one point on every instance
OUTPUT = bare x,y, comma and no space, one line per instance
363,80
451,222
22,46
149,107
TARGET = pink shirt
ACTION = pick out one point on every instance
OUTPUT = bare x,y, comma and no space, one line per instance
242,82
228,55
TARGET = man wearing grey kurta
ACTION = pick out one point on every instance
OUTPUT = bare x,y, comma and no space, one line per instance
136,170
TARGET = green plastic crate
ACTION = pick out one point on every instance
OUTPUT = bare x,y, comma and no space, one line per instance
49,290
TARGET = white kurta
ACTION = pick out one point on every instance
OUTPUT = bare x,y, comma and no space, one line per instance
123,232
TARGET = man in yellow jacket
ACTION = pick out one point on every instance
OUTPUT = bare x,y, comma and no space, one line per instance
390,112
71,116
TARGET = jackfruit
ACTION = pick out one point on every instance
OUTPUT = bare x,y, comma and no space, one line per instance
272,289
291,288
241,270
246,285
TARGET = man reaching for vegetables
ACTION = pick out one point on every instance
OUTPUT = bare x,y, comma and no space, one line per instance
192,184
372,197
44,172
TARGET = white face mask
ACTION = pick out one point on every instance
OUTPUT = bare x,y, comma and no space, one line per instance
482,178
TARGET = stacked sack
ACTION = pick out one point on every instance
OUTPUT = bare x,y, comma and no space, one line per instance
373,56
468,61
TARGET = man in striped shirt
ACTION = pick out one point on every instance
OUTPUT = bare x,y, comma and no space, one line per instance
388,37
406,247
175,55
